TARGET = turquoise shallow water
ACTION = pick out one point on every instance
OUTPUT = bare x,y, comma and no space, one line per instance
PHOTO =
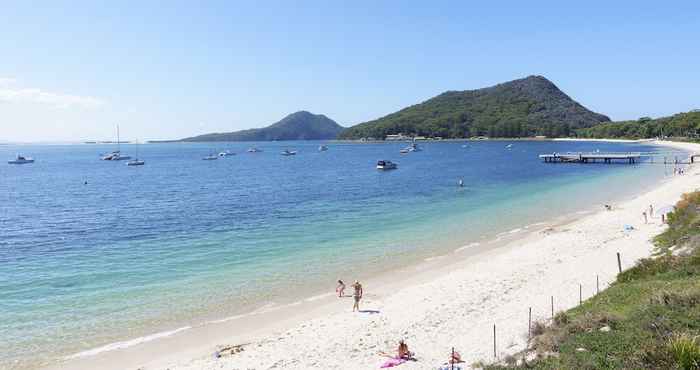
139,250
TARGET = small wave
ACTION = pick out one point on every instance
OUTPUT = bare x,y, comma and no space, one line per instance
225,319
265,308
515,231
127,343
468,246
428,259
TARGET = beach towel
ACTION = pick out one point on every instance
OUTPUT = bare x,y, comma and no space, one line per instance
449,367
393,362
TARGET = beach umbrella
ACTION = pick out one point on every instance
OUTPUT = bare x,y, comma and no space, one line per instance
665,210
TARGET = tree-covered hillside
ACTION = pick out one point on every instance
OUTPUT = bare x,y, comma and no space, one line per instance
296,126
678,125
520,108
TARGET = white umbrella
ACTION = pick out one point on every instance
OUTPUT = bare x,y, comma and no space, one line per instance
665,210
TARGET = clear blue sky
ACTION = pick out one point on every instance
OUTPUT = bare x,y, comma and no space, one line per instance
71,71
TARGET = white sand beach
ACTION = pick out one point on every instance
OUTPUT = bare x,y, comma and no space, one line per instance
449,301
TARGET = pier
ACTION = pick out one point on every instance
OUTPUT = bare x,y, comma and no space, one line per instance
592,157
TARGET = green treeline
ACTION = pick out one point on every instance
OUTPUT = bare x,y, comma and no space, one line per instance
678,125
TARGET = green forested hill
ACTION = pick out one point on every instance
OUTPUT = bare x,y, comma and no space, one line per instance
678,125
525,107
296,126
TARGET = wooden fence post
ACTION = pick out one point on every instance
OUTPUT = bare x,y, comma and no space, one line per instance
552,307
529,324
619,264
580,294
494,340
597,285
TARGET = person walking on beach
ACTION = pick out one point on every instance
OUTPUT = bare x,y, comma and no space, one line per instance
340,288
357,295
651,210
644,214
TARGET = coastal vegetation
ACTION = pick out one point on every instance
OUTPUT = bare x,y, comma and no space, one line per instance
521,108
301,125
648,319
681,125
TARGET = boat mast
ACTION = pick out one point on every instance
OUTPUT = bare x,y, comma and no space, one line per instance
118,146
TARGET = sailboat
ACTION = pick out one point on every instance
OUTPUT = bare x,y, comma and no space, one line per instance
116,155
136,161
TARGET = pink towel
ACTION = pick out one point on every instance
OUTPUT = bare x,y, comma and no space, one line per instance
393,362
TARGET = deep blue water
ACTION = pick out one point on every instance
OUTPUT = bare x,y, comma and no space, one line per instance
92,251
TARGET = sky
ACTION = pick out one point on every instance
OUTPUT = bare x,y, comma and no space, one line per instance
72,71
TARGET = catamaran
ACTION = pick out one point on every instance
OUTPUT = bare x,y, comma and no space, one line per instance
226,153
287,152
254,150
116,155
21,160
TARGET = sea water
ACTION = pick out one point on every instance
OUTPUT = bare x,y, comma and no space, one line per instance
95,252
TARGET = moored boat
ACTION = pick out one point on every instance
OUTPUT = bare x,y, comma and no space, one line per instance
386,165
21,160
288,152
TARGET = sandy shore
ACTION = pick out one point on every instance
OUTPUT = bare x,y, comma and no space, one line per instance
449,301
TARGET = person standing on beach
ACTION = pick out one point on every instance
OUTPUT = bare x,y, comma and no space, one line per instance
357,295
645,216
651,210
341,288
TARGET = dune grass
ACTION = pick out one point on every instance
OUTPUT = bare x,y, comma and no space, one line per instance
648,319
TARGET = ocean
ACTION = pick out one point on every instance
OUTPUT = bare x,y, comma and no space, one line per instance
93,252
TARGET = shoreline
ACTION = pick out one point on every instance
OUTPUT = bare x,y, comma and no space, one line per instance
178,350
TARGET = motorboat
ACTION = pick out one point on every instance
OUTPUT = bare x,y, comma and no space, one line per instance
509,146
322,148
226,153
210,157
386,165
135,162
21,160
254,150
287,152
411,148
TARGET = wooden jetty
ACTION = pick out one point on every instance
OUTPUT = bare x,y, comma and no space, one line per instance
592,157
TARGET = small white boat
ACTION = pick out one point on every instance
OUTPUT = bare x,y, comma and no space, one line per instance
21,160
254,150
322,148
135,162
288,152
509,146
226,153
386,165
411,148
210,157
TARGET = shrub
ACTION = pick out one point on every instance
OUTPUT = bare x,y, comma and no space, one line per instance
648,267
685,351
